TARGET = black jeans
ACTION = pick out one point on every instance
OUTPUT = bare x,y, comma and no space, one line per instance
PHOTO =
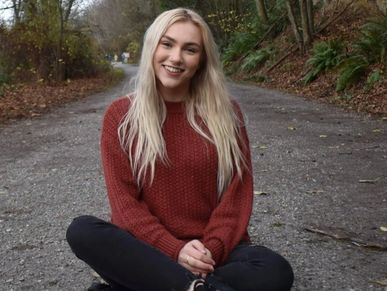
129,264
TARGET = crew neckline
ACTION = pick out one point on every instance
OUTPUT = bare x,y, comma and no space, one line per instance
175,107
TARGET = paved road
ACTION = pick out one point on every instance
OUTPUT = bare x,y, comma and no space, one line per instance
318,166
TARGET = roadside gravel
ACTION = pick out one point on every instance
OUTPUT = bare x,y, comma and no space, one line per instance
314,164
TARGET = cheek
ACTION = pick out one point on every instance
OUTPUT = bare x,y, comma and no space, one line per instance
195,63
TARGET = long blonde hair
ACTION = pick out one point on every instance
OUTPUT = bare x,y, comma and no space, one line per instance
141,129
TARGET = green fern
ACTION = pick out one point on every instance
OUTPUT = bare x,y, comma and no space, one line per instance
370,48
373,41
375,77
353,68
240,42
325,55
257,58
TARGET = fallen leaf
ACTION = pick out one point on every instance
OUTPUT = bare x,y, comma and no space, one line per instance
261,193
377,130
263,147
345,235
383,228
315,191
369,181
323,136
291,128
382,282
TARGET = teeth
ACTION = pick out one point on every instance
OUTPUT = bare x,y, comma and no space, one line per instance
173,69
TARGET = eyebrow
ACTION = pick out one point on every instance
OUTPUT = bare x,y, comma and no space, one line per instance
174,41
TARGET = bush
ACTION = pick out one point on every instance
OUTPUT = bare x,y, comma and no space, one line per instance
375,77
240,43
373,41
352,70
369,49
82,57
247,32
325,55
257,58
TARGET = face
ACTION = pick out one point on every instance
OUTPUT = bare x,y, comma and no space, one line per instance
176,59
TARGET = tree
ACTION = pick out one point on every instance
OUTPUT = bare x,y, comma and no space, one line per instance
44,41
262,13
116,23
307,22
293,23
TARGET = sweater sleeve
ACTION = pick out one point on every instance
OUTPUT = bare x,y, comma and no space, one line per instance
229,221
127,210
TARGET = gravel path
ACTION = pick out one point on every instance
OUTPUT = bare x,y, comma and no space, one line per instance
314,166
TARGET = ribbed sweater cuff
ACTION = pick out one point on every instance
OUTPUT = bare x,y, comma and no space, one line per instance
216,248
171,247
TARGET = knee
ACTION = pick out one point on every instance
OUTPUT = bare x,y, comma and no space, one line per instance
282,274
287,274
276,272
79,230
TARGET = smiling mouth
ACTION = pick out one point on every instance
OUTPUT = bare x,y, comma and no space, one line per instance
173,69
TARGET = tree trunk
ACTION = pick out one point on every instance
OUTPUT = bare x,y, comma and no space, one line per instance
262,13
59,56
16,10
293,23
306,33
310,15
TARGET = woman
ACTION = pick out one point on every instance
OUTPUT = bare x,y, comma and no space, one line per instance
178,172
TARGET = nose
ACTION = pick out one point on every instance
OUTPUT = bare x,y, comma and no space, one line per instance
175,56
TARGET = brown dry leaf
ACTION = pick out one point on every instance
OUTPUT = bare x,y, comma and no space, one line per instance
368,181
315,191
382,282
345,235
261,193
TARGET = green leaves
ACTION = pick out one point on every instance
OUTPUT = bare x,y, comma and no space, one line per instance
325,55
368,49
352,69
257,58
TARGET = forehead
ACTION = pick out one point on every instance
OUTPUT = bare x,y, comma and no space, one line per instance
184,32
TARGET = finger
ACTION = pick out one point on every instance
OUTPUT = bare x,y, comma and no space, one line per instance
196,265
194,270
198,255
199,264
208,253
198,245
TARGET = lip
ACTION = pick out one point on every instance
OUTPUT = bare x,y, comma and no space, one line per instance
178,72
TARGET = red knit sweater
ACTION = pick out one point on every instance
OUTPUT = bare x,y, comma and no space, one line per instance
181,204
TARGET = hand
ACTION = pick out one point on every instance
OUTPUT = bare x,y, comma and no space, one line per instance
195,257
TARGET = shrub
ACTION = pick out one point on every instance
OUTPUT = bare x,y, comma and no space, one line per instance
353,68
375,77
373,41
239,43
370,48
257,58
325,55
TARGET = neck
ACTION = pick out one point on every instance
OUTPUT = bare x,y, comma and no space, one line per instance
173,94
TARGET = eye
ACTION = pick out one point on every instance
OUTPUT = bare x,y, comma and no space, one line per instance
191,50
166,44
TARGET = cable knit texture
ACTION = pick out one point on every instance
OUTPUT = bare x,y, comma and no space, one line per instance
181,204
